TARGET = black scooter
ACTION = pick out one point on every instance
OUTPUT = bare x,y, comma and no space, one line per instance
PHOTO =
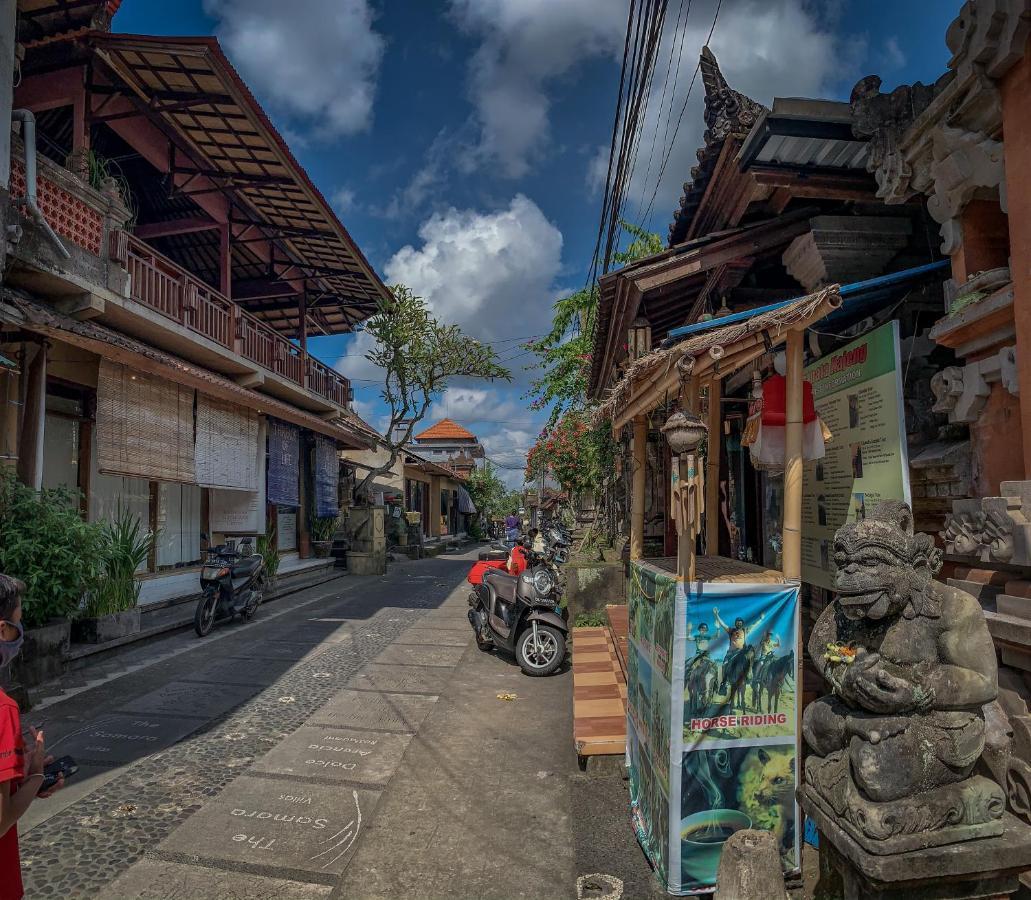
520,614
233,582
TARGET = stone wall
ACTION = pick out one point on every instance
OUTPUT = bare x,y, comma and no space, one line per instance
591,585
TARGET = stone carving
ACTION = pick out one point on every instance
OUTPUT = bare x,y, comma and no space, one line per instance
962,164
911,665
992,529
962,392
727,112
991,34
988,535
884,118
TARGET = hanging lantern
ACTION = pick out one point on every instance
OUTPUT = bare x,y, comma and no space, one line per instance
764,433
684,431
639,339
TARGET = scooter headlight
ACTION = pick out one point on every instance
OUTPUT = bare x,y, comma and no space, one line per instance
543,582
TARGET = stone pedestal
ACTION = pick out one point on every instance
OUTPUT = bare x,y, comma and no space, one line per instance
970,870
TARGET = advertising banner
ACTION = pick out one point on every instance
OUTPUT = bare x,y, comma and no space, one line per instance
712,720
284,460
858,394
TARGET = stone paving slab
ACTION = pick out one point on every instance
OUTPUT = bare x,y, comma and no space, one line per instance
154,879
261,672
366,757
402,679
83,782
189,698
437,636
416,655
277,824
121,738
277,649
382,712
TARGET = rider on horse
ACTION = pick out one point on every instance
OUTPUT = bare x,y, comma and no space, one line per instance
736,635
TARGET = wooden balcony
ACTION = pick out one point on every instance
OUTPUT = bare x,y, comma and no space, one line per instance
165,287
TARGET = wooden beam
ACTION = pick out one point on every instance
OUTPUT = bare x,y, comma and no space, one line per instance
640,463
792,538
712,466
187,225
225,260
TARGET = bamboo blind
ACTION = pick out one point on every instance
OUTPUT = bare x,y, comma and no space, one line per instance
227,440
144,425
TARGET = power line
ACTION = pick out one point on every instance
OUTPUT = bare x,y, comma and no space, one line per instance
680,118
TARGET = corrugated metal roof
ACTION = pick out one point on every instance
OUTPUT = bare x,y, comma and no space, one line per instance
828,153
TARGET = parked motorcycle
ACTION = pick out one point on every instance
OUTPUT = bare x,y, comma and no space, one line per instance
233,583
521,613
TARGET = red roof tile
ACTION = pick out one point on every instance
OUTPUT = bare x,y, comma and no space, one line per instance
445,429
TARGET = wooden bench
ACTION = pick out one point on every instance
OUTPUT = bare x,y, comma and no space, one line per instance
599,695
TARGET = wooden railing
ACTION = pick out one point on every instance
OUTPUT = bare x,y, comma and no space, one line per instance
162,285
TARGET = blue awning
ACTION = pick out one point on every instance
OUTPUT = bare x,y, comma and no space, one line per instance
860,297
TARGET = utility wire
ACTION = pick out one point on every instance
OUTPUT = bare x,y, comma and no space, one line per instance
680,118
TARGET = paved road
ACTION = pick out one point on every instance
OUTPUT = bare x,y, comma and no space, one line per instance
349,743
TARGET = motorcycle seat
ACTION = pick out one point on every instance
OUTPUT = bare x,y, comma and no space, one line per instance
246,567
504,584
493,555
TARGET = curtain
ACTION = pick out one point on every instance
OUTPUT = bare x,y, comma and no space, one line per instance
465,502
178,520
144,425
327,478
241,512
283,464
227,438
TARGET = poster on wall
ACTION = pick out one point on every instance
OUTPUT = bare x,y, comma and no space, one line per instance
712,721
858,394
651,600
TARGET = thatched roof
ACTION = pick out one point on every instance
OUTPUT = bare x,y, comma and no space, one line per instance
716,352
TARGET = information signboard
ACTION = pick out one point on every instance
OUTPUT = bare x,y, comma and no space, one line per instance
858,394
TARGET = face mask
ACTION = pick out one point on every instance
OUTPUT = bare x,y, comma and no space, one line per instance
9,649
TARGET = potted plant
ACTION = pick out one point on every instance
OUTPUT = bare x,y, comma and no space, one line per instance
47,545
322,530
109,609
268,548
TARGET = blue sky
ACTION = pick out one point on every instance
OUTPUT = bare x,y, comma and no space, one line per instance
463,142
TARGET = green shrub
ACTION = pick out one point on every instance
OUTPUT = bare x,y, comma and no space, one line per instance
123,547
592,619
323,527
268,547
45,543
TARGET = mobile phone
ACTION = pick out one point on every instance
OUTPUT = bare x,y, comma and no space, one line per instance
64,766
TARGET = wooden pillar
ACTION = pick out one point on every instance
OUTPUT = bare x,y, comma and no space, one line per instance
640,463
302,320
30,445
687,538
304,507
792,538
225,260
712,469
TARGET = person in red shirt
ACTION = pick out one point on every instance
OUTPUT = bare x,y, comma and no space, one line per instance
21,769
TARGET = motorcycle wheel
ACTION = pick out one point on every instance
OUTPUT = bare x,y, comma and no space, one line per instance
545,656
204,617
252,606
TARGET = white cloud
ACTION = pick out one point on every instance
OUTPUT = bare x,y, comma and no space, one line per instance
895,57
525,46
766,49
507,449
491,273
597,172
315,61
344,200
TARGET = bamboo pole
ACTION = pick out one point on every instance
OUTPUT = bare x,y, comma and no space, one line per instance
686,537
640,461
792,539
645,402
712,467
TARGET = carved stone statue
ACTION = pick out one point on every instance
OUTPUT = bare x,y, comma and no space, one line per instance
911,666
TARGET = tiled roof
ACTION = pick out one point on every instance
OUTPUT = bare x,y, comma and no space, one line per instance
445,429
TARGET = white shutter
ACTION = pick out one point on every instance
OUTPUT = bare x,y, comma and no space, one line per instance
227,440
